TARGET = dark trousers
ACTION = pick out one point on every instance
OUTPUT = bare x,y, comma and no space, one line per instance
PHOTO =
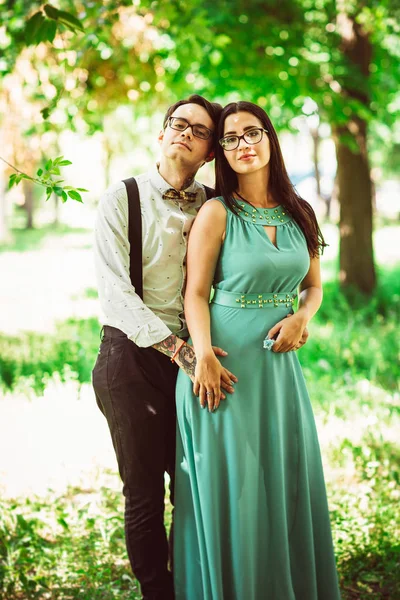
135,390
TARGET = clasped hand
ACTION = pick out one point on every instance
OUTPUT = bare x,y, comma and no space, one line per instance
290,334
210,377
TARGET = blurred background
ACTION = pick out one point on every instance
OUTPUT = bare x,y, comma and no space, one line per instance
83,90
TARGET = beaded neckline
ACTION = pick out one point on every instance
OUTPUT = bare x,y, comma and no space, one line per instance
263,216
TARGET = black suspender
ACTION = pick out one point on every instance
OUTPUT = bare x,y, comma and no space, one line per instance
135,232
135,235
210,193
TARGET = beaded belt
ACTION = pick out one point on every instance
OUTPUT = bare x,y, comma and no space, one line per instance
238,300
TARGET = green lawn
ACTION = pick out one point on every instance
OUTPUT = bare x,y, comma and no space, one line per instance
72,546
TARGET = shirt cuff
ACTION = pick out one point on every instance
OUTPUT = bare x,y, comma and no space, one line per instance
148,335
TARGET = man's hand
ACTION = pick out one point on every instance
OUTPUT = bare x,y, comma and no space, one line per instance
186,360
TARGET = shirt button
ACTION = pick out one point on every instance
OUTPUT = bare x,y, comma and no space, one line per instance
185,233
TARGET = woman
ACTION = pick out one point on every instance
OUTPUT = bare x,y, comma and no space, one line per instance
251,519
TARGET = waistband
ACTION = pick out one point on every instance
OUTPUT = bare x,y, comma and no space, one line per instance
113,332
265,300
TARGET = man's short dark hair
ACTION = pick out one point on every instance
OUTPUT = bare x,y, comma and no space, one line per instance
213,109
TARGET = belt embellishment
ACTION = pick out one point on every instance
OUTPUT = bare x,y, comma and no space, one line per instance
266,300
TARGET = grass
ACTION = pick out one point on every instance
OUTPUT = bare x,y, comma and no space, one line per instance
23,240
71,547
65,547
348,342
364,472
68,547
28,361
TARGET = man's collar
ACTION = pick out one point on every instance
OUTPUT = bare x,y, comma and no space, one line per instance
159,183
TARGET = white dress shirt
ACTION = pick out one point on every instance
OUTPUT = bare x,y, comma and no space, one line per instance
165,229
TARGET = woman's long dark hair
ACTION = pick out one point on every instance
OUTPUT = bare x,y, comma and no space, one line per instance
279,184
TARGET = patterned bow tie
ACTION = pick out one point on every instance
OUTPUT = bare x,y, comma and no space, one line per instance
172,194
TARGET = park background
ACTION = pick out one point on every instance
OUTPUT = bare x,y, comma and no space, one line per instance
83,89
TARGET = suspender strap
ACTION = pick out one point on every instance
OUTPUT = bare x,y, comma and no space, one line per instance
210,193
135,235
135,232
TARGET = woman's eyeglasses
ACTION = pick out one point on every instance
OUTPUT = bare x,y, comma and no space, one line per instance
253,136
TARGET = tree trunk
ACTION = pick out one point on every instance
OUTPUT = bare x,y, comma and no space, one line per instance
355,187
28,193
316,139
355,198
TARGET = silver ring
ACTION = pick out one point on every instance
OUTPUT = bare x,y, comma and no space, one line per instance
209,394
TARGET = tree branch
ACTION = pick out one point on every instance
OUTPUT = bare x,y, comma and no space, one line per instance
21,172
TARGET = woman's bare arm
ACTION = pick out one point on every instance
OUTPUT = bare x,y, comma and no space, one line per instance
205,241
288,332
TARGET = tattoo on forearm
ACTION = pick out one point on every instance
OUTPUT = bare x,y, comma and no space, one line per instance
187,359
167,346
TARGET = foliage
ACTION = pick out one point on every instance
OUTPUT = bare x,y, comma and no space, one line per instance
32,359
32,239
71,546
363,502
347,333
149,54
345,344
42,26
45,178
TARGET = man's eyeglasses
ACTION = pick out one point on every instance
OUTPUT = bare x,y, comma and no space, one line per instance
179,124
253,136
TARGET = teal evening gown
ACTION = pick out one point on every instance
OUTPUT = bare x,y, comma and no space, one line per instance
251,514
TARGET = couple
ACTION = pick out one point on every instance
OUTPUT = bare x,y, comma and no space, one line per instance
251,519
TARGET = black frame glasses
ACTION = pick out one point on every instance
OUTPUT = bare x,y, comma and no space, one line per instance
235,139
181,124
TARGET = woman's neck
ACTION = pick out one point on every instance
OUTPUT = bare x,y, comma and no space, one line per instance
253,188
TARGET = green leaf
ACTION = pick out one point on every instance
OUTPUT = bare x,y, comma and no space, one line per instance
75,195
69,20
82,190
49,190
370,577
45,112
39,172
64,163
58,190
64,197
222,40
32,28
11,180
42,32
57,159
55,171
51,11
69,27
63,522
50,30
48,165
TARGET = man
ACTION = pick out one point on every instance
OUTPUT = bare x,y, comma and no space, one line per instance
134,377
